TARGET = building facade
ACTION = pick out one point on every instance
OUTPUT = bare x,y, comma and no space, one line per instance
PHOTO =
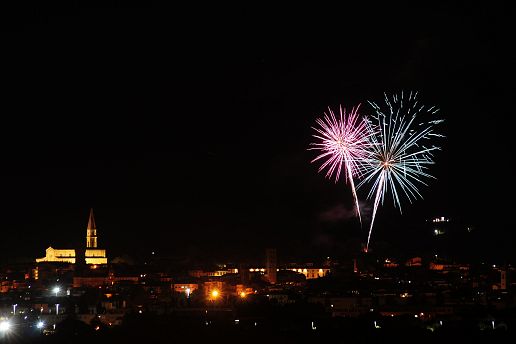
93,255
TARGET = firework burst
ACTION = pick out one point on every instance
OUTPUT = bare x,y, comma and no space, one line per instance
401,150
342,144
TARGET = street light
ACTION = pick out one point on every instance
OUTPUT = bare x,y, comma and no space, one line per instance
40,324
5,326
57,290
214,294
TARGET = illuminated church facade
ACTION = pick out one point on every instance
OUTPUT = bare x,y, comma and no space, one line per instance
92,254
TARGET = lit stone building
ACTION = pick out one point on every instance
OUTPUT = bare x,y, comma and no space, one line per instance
58,255
311,273
92,254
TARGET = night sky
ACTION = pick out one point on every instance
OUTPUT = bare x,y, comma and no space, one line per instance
187,128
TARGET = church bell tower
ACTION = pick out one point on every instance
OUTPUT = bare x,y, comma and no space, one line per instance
91,232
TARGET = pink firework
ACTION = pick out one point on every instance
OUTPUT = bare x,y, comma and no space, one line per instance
343,144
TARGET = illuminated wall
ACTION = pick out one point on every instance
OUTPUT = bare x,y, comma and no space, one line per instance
311,273
58,256
95,256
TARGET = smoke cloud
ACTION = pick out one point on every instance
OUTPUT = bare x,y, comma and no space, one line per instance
341,212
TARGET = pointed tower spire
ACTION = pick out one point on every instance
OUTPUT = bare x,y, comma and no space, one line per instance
91,220
91,232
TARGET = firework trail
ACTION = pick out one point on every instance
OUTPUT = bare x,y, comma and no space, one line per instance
400,151
342,144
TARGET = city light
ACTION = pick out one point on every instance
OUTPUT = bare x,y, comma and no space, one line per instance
5,326
56,290
215,294
439,232
243,294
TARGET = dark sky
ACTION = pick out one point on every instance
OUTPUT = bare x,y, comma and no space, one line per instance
186,128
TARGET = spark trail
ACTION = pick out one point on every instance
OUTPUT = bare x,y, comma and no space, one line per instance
401,149
342,144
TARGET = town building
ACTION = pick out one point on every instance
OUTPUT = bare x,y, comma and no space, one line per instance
92,254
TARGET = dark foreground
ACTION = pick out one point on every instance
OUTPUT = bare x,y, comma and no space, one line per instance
168,329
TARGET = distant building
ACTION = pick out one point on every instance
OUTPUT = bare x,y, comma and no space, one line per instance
243,270
440,219
447,267
271,265
440,225
415,261
213,290
186,288
345,306
58,256
242,291
390,263
212,273
308,270
311,272
90,281
93,255
97,281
